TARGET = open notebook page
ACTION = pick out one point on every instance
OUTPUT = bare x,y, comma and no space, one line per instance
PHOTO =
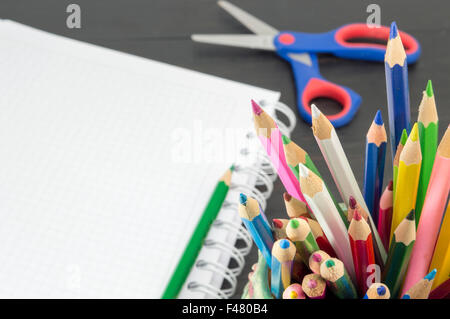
95,199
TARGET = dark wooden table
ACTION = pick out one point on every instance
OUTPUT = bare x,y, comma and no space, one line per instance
160,29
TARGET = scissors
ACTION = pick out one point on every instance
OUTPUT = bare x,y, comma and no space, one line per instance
300,50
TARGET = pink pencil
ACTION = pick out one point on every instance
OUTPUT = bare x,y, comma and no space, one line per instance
270,137
385,215
431,217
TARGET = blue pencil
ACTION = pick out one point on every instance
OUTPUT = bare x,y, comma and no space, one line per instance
283,253
421,290
374,164
256,223
396,69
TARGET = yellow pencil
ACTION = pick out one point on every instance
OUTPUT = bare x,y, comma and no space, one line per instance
408,179
441,256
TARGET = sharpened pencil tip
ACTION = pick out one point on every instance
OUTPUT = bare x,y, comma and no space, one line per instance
391,185
285,139
357,215
329,263
394,31
317,257
277,223
352,202
256,108
303,170
293,223
381,291
431,275
414,136
284,243
429,89
404,137
287,197
378,119
312,284
411,215
315,112
242,199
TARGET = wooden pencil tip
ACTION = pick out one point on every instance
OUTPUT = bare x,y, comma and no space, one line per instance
378,119
330,263
394,31
317,257
284,244
294,223
429,89
277,223
357,215
256,108
242,199
381,291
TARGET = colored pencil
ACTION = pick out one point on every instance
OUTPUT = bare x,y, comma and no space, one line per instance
283,253
428,135
294,291
299,232
432,212
340,169
322,206
299,269
256,223
258,281
314,286
294,207
385,214
296,155
316,259
270,137
195,243
421,289
399,254
441,255
333,271
400,147
353,205
442,291
361,243
377,291
279,228
408,179
374,164
320,237
396,70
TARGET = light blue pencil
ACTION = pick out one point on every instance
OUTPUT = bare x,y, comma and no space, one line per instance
256,223
421,290
283,253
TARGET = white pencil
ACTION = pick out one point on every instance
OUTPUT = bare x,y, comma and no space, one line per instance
340,169
322,206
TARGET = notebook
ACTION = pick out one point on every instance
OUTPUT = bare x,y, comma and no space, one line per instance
107,161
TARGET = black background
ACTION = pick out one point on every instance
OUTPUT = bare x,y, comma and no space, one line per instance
160,30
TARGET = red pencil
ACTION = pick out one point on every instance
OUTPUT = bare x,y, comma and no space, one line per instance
361,244
319,236
385,215
441,292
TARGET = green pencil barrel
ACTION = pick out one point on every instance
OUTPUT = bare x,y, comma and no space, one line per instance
396,266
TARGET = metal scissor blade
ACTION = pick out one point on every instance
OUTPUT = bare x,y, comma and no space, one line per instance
251,41
252,23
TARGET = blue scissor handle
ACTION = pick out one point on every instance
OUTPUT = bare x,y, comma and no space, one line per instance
337,42
310,85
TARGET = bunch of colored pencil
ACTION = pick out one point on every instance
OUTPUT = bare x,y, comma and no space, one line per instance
398,235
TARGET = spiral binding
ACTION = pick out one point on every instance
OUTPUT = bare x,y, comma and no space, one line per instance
264,178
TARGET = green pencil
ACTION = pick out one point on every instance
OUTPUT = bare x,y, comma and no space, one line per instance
299,232
296,155
196,241
428,135
400,146
399,254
